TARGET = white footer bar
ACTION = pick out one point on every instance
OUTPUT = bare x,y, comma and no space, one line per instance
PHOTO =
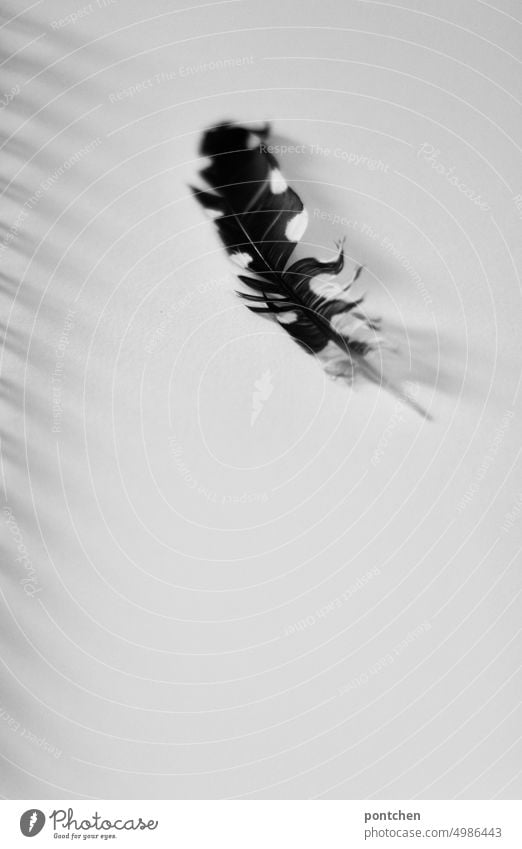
262,824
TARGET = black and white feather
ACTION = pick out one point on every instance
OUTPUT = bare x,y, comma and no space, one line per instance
260,220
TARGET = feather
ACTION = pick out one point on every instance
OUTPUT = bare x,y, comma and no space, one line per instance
260,220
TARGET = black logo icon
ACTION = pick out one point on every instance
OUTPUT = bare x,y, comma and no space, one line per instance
32,822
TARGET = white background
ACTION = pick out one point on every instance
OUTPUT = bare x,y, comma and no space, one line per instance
174,546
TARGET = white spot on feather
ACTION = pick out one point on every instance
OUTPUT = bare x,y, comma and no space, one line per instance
296,226
241,259
278,184
347,323
252,141
355,326
213,213
324,286
336,362
287,317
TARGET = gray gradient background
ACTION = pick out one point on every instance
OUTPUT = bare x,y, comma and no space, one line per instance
173,545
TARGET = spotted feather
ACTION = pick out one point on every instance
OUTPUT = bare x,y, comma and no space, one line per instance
260,220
